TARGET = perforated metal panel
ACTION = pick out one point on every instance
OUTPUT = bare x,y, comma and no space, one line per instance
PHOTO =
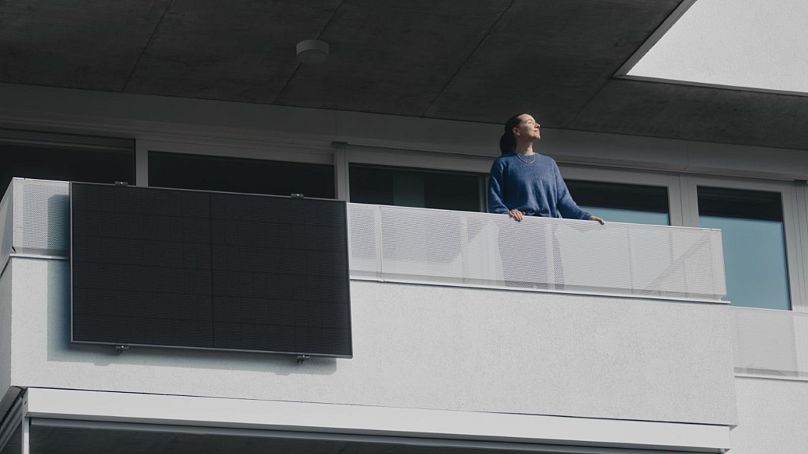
437,246
34,216
41,217
6,225
771,342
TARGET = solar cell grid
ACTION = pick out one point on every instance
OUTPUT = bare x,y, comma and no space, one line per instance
197,269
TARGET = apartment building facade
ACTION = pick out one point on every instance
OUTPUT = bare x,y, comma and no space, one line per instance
678,326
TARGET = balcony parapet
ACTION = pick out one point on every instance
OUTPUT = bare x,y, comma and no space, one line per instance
438,346
428,246
770,343
34,219
441,247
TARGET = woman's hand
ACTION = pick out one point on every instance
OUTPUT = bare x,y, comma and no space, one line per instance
597,219
516,215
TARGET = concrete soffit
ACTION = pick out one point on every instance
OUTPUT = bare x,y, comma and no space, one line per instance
754,32
563,60
352,420
663,28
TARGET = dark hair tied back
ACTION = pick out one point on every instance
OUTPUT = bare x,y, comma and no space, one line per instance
507,143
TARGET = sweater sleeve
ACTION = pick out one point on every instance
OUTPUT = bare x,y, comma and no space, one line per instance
496,203
566,205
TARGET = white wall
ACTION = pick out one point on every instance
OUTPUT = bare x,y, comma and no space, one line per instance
425,347
447,429
772,416
741,43
5,331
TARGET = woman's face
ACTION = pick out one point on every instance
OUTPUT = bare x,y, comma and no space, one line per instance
529,129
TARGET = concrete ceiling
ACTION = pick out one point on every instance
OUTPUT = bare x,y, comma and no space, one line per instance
478,61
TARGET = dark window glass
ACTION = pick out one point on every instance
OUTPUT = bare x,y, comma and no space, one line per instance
740,203
415,188
753,238
64,157
216,173
617,202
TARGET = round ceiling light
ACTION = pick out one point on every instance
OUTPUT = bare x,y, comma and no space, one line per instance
311,51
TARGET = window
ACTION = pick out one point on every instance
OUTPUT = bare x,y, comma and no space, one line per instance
753,234
65,157
216,173
617,202
416,188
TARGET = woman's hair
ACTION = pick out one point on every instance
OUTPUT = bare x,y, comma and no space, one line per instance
507,143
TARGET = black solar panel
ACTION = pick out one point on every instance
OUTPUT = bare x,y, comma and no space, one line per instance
182,268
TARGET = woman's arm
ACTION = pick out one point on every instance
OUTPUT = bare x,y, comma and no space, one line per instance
496,203
566,205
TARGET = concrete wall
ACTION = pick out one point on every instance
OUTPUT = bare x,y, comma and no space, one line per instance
772,416
742,43
425,347
169,124
5,331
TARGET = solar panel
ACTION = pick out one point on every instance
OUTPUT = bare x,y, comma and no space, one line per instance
194,269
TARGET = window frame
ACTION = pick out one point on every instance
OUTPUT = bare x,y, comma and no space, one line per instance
62,142
645,178
228,149
481,178
801,226
411,160
791,214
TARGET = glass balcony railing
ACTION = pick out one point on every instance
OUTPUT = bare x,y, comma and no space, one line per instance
770,342
479,249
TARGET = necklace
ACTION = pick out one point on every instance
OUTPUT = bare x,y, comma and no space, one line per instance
526,161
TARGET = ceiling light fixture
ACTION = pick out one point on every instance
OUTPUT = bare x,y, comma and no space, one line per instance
312,51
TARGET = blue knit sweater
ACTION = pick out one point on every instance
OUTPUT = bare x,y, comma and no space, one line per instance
533,186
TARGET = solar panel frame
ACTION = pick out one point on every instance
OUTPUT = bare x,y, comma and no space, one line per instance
315,334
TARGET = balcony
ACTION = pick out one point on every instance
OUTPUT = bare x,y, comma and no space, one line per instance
459,314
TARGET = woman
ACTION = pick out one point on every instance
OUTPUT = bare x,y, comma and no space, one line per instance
525,183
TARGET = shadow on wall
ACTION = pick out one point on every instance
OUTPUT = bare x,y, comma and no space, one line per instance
60,349
58,224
